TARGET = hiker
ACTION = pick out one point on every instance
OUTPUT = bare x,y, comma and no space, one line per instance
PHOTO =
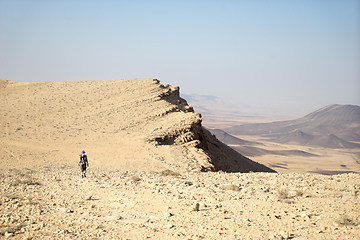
83,163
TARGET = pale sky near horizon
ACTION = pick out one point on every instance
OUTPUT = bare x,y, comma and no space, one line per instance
282,55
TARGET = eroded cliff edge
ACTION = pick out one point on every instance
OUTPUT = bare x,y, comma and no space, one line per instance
189,133
137,124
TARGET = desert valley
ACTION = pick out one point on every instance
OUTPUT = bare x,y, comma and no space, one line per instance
162,169
326,141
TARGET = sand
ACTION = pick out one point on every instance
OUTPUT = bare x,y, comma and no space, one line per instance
324,161
147,152
136,124
54,202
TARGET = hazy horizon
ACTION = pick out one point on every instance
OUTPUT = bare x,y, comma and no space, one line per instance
281,55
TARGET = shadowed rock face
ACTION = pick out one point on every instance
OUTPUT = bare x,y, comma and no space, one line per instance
227,159
136,124
189,133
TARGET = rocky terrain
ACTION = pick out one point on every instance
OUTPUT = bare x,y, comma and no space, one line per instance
154,172
134,124
54,202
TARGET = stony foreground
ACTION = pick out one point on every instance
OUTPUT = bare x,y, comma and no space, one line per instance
54,202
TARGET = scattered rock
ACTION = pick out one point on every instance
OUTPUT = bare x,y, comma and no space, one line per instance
196,208
69,210
135,211
168,226
168,214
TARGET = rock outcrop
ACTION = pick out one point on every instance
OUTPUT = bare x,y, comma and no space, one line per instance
136,124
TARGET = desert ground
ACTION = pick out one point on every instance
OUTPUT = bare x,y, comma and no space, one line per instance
54,202
154,172
136,124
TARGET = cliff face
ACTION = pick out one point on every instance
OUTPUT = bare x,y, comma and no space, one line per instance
189,133
136,124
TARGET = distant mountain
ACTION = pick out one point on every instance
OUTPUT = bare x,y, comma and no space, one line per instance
247,149
296,137
250,151
328,141
333,126
229,139
332,141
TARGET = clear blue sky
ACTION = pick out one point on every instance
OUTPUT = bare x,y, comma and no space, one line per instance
280,54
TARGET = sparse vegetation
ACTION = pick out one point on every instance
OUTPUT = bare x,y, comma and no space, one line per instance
136,178
29,181
288,201
17,172
299,193
168,172
346,221
283,193
30,201
10,229
204,192
188,183
230,187
12,196
30,171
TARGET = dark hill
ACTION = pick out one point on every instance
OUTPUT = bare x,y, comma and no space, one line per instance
332,141
334,115
327,141
296,137
229,139
250,151
246,147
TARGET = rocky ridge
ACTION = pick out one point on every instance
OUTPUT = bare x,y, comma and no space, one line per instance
120,123
146,147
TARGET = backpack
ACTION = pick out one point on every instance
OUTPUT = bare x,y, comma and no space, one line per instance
83,159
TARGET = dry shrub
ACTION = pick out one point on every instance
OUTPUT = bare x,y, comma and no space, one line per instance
168,172
230,187
283,193
188,183
29,181
299,193
346,221
136,178
12,196
10,229
16,172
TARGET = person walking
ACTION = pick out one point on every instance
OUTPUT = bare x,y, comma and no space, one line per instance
83,164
